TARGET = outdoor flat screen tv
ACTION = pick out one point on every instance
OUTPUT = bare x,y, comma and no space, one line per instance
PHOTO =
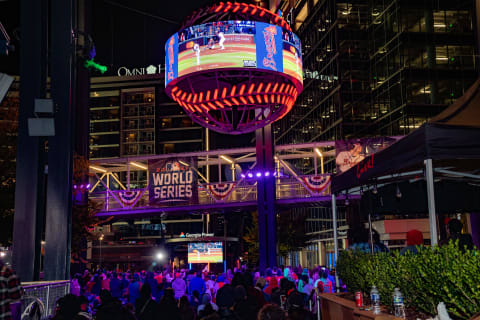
205,252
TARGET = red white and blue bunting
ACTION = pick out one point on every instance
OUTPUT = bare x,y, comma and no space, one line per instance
129,197
318,184
221,190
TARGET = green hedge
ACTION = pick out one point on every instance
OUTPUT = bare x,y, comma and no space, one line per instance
425,279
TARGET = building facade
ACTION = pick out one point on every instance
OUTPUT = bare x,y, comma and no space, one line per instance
372,68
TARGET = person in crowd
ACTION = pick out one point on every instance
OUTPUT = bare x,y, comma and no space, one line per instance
272,284
271,312
197,284
243,308
179,286
125,283
454,230
185,309
260,285
206,300
414,242
109,308
168,308
116,286
145,307
105,281
296,307
195,299
379,244
154,286
66,308
326,283
134,289
212,286
307,287
96,285
361,241
225,301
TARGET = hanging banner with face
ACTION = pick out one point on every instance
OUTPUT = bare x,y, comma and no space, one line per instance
172,179
351,152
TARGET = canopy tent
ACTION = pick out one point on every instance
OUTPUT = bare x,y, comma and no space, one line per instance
452,135
450,142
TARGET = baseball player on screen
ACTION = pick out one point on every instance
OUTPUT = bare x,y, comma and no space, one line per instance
221,40
196,49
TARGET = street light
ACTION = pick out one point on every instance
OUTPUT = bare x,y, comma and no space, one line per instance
100,238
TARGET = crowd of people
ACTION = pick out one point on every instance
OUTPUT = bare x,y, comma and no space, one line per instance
277,293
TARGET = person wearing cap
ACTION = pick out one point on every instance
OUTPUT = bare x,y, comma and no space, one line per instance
179,286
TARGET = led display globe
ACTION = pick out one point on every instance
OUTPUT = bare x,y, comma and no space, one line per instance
234,67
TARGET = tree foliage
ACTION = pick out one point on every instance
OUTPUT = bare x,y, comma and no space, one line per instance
290,235
444,274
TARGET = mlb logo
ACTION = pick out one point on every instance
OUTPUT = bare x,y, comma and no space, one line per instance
173,166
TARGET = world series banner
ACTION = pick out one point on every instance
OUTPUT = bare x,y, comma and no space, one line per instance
173,179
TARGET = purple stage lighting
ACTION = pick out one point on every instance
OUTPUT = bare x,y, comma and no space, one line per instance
242,175
259,174
275,174
250,175
74,186
88,186
81,186
267,173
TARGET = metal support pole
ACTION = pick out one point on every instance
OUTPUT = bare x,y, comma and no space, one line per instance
60,147
128,175
28,218
431,202
315,163
335,237
370,233
267,219
319,311
207,148
219,169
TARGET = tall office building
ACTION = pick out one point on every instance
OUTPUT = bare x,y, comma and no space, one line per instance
376,68
373,68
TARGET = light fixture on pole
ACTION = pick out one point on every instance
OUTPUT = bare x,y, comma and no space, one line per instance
375,190
139,165
100,238
398,193
320,154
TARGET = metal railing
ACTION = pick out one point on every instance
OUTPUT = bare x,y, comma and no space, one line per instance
44,294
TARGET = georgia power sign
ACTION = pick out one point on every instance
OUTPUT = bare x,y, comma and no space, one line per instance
151,69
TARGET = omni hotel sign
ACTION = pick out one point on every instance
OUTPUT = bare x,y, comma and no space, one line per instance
151,69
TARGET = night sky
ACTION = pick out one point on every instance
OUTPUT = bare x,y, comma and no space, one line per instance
125,37
126,33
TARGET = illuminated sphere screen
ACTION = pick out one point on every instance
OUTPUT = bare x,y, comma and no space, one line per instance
234,76
233,44
205,252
